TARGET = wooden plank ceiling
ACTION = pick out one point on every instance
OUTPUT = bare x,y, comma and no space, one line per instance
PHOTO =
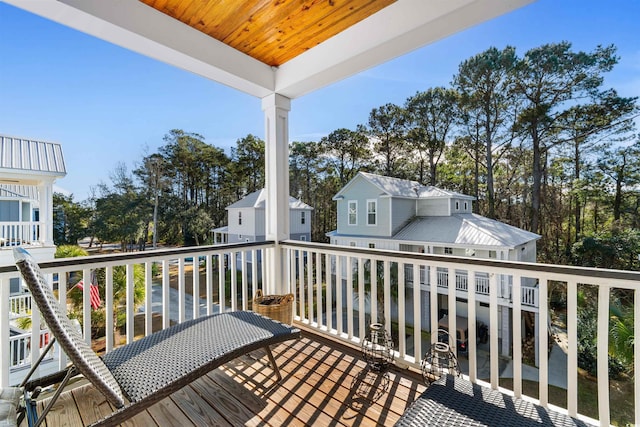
271,31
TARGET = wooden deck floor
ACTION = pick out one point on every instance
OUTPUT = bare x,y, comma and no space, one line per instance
323,384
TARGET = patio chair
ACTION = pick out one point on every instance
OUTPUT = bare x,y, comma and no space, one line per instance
137,375
454,401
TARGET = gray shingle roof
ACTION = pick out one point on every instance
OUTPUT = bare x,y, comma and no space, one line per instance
33,156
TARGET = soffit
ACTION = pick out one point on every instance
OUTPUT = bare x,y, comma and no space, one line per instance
271,31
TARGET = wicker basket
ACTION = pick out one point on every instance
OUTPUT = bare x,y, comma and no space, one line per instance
277,307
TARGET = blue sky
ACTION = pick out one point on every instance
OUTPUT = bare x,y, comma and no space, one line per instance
107,105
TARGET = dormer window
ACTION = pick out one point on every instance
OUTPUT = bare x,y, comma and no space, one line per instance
240,218
372,210
353,212
466,206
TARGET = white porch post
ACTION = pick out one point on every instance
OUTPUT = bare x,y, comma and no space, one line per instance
45,190
276,117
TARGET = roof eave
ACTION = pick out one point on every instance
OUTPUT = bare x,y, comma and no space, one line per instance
399,28
395,30
142,29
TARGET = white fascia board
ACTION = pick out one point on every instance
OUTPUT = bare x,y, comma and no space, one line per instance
142,29
394,31
340,194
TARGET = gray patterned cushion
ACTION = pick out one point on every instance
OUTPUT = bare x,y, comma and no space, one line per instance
453,401
173,357
72,343
9,400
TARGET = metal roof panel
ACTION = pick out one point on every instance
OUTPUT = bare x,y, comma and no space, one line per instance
29,155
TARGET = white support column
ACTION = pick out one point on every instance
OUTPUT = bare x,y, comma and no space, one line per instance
4,330
276,114
45,190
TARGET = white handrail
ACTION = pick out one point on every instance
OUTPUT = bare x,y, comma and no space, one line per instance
326,280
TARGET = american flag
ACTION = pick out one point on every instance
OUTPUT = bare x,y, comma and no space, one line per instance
96,302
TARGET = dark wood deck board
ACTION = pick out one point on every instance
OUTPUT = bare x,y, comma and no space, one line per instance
323,383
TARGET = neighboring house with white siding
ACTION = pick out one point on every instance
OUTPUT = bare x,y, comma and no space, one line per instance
381,212
246,220
390,213
28,170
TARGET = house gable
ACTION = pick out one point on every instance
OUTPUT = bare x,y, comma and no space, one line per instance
354,208
251,209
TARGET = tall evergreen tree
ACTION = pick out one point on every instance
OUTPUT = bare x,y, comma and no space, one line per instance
549,79
346,152
431,115
487,109
387,129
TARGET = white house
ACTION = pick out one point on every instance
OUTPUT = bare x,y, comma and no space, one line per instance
390,213
246,220
28,170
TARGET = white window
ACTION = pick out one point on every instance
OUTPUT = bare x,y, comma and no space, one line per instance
353,212
457,206
466,207
303,237
372,245
372,209
302,218
240,218
353,244
448,251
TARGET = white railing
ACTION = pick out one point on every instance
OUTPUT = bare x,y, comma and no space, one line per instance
530,296
332,287
20,349
529,293
20,305
19,233
172,293
482,284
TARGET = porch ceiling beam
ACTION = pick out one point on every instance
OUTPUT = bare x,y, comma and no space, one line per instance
395,30
142,29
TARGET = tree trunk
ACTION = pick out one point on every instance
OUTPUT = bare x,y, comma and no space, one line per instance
491,213
617,201
476,181
578,229
536,190
432,171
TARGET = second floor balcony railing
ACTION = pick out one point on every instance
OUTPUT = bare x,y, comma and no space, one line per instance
339,291
14,233
19,305
529,292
